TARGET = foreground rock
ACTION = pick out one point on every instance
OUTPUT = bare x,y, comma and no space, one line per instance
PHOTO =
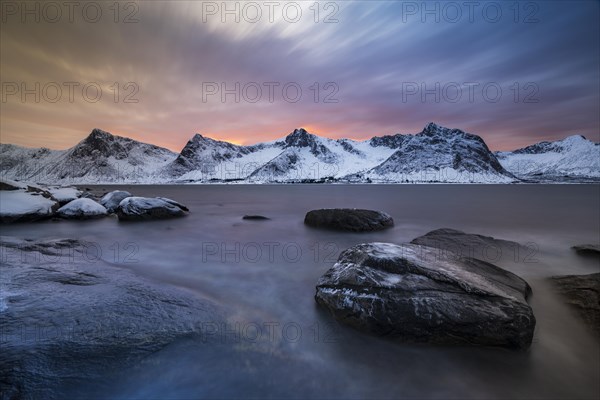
26,205
112,200
67,319
82,209
349,219
583,293
587,249
407,292
145,208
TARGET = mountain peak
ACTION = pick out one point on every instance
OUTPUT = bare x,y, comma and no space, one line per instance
97,134
300,138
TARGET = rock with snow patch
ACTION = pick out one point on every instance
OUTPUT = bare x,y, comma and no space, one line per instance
65,195
112,200
145,208
408,293
82,209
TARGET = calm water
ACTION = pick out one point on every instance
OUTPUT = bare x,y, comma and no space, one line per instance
278,343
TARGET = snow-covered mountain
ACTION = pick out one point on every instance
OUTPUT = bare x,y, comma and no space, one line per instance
99,158
436,154
572,158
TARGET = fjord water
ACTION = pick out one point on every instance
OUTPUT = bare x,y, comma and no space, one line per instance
278,343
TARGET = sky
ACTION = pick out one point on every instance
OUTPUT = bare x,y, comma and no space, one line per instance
514,73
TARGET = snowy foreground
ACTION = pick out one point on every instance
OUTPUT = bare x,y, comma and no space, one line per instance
436,154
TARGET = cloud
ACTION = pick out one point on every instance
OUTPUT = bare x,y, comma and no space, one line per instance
373,55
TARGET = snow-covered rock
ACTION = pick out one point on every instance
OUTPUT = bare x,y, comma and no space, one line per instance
572,157
111,200
8,184
409,293
82,209
144,208
65,194
24,206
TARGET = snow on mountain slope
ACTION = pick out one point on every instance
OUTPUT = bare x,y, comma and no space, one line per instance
438,154
574,156
296,157
99,158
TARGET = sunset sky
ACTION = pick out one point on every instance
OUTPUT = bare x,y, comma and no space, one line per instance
374,62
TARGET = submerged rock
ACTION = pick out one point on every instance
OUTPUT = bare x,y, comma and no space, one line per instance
587,249
407,292
112,200
583,293
349,219
67,317
82,209
255,217
144,208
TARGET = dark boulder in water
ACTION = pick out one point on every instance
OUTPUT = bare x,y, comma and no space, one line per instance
408,293
582,292
255,217
587,249
146,208
349,219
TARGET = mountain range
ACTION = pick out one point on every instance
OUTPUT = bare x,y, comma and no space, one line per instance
436,154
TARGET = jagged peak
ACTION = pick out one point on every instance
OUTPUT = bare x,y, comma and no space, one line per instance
300,137
99,134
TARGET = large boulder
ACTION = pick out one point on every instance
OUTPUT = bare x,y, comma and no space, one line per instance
144,208
82,209
25,205
349,219
112,200
408,292
582,292
68,318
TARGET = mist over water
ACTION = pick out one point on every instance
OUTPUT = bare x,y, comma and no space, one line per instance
278,343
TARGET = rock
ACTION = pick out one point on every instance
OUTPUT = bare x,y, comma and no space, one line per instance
7,184
25,206
583,293
408,293
457,244
587,249
65,195
349,219
255,217
67,318
111,200
144,208
82,209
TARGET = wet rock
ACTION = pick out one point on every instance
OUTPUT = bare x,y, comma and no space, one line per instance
255,217
349,219
112,200
145,208
407,292
82,209
67,318
587,249
582,292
